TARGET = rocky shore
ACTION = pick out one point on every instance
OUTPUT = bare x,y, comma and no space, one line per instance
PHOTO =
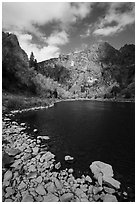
31,173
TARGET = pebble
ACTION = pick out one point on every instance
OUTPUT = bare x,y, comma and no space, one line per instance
58,184
70,171
35,150
22,185
13,152
78,192
32,175
50,198
39,198
8,200
69,158
67,197
110,198
88,178
109,190
84,200
9,191
40,190
7,175
27,198
39,179
51,188
32,168
58,165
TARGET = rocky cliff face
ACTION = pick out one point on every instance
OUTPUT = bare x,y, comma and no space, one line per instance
100,71
16,74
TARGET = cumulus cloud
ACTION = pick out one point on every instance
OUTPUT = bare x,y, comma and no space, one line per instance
86,34
41,54
25,15
120,18
58,38
22,18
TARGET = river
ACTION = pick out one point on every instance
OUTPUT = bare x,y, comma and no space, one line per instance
89,131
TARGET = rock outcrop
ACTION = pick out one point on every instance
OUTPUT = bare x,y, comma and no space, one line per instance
100,71
16,74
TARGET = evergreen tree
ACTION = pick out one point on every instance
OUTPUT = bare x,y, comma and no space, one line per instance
32,61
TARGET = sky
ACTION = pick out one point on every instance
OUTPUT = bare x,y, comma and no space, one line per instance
51,29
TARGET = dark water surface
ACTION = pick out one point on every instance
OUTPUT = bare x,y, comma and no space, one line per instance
89,131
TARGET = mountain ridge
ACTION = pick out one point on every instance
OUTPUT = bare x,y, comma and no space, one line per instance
98,71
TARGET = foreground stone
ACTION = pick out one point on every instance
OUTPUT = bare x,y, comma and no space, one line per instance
27,198
66,197
50,198
110,198
69,158
104,172
7,176
32,177
40,190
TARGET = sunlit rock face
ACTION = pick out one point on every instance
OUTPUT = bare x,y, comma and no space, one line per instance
99,71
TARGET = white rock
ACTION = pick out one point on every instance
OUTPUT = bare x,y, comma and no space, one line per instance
22,185
43,137
58,165
8,200
70,171
27,198
9,191
109,190
51,188
111,181
101,167
58,184
88,178
46,157
39,179
69,158
104,172
22,124
110,198
78,192
17,163
67,197
50,198
32,168
84,200
40,190
35,150
7,175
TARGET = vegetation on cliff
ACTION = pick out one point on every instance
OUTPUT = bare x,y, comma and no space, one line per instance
100,71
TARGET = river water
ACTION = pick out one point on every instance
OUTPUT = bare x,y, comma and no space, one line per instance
89,131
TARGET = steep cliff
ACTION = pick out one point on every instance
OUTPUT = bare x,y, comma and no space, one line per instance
16,74
100,71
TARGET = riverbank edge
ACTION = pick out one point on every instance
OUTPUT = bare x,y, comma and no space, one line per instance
48,106
93,195
50,103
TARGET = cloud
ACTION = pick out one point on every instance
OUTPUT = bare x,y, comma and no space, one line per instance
25,19
117,18
26,15
58,38
41,54
87,33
